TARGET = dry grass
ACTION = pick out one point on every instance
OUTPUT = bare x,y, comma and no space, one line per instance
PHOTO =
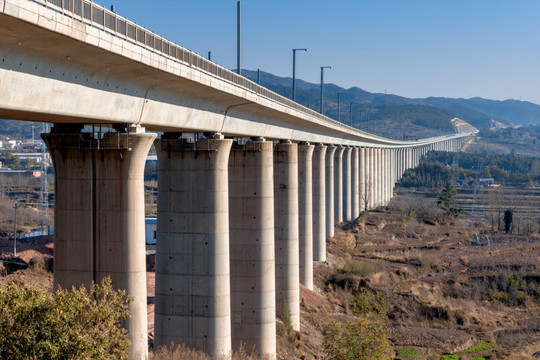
182,352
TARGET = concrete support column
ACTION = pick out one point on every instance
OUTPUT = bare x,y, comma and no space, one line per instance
391,172
338,184
286,231
363,164
384,173
251,221
355,157
384,177
405,156
377,176
397,160
403,160
370,185
192,250
393,158
329,173
305,210
400,163
387,176
319,203
347,177
99,216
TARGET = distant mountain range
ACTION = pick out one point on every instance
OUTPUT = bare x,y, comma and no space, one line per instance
389,115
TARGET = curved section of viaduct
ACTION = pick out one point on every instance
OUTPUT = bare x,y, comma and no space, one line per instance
243,210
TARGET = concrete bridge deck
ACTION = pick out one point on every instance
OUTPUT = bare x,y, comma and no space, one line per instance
63,67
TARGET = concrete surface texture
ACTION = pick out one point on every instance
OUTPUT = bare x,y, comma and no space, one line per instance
192,299
363,166
355,182
329,174
305,209
319,203
338,184
251,208
99,222
370,184
286,232
347,184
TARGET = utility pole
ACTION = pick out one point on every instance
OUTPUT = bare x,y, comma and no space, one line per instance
238,38
15,231
322,87
294,72
339,106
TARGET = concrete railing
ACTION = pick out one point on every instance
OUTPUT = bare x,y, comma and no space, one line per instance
98,16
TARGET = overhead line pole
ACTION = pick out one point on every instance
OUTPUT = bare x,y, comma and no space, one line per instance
322,87
294,72
238,38
339,106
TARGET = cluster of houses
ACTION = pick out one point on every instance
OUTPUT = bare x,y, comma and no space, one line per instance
25,151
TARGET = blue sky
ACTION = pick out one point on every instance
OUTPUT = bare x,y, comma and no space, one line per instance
413,48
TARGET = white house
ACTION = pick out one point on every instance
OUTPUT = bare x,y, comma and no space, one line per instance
150,231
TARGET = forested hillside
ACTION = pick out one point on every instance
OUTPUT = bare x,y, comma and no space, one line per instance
439,168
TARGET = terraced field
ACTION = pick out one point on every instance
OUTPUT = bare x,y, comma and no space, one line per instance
488,204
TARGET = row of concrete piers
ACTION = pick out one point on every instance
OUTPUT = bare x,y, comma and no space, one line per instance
239,225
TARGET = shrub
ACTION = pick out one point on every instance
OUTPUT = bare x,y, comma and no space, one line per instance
367,337
42,263
500,296
362,268
76,324
366,302
511,290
